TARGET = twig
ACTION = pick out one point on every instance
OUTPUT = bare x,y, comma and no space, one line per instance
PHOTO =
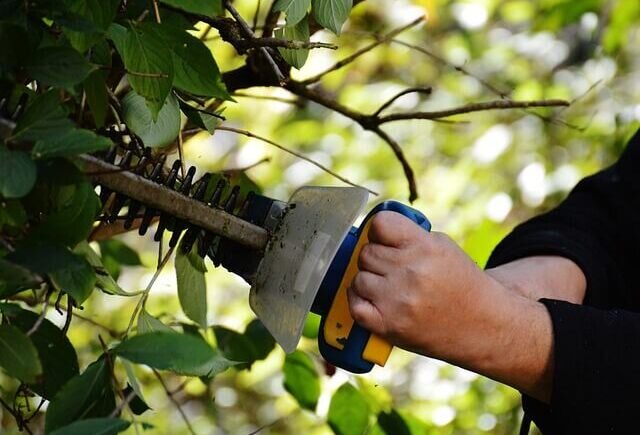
347,60
42,315
246,168
292,101
145,294
298,155
67,320
420,90
156,11
174,401
288,43
367,122
255,16
18,418
473,107
249,34
443,61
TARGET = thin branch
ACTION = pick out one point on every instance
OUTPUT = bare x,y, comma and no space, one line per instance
288,43
473,107
254,25
420,90
156,11
175,402
441,60
367,122
246,168
347,60
249,34
145,294
18,418
298,155
292,101
42,315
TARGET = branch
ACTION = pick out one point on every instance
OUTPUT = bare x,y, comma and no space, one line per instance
174,401
286,43
347,60
298,155
400,94
244,27
461,69
473,107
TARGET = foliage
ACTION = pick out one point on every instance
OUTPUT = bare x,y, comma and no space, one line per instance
83,76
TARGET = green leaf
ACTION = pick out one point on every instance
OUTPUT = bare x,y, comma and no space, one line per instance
94,426
149,65
348,411
18,355
68,272
158,132
299,32
137,405
331,14
147,323
235,346
180,353
200,118
58,66
73,142
15,278
295,10
16,46
104,281
45,117
95,89
12,214
85,396
195,68
100,13
133,380
261,338
74,217
392,423
115,254
18,173
209,8
301,379
57,355
192,287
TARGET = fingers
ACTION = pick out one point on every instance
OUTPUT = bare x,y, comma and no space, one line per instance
392,229
368,286
364,312
376,258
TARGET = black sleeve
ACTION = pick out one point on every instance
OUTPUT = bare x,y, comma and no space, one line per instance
596,383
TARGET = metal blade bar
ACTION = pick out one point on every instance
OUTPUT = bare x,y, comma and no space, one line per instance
175,204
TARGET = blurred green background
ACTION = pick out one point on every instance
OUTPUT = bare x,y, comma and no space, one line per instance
477,178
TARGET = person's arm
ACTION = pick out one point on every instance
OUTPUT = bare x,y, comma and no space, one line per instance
422,292
538,277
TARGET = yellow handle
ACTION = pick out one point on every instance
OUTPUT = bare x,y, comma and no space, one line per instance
338,323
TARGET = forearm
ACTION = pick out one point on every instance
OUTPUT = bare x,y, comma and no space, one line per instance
506,337
540,277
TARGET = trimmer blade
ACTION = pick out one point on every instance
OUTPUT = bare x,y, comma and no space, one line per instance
298,256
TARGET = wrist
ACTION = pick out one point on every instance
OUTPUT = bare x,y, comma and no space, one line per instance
505,336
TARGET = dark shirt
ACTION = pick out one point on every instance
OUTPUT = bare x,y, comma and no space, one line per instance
596,350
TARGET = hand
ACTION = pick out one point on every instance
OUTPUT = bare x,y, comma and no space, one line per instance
420,291
414,288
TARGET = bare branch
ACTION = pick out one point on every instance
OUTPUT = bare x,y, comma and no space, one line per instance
426,91
286,43
174,401
293,101
347,60
298,155
249,34
246,168
406,167
443,61
473,107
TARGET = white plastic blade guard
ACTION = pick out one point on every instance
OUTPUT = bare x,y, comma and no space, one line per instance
298,256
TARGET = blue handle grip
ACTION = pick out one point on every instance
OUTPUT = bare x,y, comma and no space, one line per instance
350,357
